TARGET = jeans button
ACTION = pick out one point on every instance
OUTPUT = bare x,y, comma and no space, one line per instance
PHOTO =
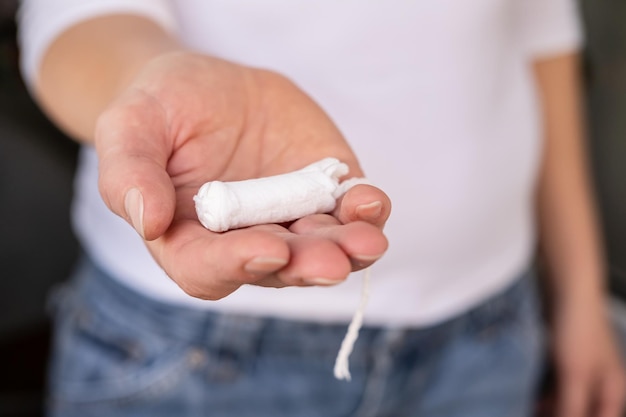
196,357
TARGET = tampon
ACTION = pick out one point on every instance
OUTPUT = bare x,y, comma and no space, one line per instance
222,206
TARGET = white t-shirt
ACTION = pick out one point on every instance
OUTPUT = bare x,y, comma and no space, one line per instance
435,97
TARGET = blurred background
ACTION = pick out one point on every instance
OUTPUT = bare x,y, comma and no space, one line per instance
37,248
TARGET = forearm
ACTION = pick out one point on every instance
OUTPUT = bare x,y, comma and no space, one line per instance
569,236
89,64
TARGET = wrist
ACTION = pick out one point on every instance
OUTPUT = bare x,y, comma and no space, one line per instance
575,287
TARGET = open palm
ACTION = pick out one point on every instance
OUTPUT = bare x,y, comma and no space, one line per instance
187,119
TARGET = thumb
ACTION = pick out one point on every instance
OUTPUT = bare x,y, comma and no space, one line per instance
133,150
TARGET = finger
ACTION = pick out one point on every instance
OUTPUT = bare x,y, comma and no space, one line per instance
314,261
210,265
362,242
132,145
611,395
573,395
366,203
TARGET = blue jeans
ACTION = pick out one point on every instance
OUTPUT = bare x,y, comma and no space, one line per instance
118,353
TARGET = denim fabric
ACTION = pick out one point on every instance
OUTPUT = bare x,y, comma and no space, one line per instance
118,353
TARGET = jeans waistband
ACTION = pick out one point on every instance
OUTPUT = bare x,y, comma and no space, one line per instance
121,304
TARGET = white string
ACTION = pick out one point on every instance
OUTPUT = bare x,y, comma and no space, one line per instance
342,370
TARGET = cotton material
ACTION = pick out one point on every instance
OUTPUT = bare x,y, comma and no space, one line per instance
436,99
314,189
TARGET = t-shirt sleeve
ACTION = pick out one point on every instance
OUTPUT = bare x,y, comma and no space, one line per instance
41,21
550,27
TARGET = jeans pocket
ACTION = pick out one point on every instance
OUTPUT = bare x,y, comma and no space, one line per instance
514,329
98,360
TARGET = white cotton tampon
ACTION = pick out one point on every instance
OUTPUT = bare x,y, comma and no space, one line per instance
222,206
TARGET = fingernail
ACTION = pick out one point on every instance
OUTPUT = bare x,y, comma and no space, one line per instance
264,264
368,258
323,281
362,261
369,211
133,203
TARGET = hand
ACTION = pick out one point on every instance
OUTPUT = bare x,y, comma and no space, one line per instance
589,371
187,119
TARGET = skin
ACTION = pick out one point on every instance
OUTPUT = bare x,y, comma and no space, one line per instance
589,369
165,120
